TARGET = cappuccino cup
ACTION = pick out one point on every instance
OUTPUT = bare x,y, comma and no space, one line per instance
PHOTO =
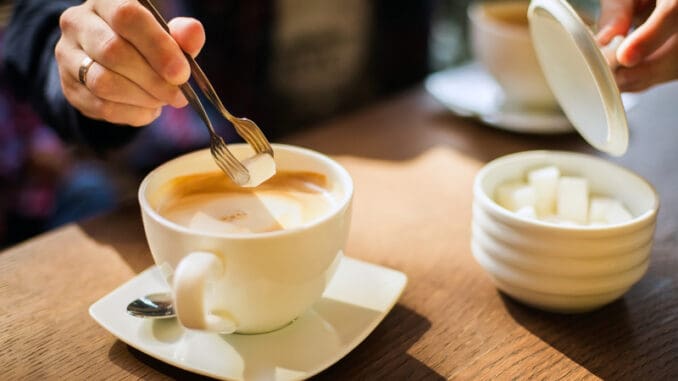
500,41
246,260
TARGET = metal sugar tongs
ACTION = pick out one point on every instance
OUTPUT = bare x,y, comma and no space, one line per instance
246,128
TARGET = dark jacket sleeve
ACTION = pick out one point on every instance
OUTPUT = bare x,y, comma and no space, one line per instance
31,71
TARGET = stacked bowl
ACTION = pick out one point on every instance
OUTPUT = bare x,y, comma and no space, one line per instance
563,267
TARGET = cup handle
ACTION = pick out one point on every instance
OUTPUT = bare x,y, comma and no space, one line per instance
189,281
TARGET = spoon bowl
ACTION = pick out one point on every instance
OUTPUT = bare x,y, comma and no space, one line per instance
152,306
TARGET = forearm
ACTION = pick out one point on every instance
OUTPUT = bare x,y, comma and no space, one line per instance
32,72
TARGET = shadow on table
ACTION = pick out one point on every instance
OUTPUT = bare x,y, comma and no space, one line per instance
123,231
631,338
383,355
119,355
593,340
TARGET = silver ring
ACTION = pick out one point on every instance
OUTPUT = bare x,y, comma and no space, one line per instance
84,68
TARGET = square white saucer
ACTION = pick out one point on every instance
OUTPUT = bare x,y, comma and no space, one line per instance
354,303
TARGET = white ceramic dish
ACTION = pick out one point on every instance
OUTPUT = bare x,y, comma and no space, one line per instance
354,303
538,262
549,240
563,268
558,303
560,284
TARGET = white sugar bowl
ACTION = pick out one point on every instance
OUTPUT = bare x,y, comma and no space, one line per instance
563,267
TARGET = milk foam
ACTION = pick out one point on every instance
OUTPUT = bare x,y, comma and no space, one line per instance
209,204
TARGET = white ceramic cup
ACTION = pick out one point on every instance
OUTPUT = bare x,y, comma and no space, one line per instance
247,282
501,43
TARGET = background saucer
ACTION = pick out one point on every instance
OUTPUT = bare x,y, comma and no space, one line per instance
354,303
469,91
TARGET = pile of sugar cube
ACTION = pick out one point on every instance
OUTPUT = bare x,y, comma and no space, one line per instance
551,197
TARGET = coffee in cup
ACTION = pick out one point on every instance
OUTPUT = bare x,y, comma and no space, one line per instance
501,43
248,260
211,202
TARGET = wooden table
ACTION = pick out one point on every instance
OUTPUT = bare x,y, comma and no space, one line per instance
413,164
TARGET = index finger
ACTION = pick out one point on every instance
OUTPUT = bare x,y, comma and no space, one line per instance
137,25
659,28
616,18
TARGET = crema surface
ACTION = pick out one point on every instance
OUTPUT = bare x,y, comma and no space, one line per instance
210,202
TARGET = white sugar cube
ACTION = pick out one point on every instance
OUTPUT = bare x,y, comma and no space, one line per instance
572,202
598,209
608,211
260,167
618,214
545,183
515,195
561,200
527,212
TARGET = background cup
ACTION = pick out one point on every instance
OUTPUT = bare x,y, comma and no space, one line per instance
500,41
255,282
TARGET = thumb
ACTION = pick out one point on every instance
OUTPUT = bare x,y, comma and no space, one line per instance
188,33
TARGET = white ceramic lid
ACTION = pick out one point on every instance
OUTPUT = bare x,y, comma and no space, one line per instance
578,75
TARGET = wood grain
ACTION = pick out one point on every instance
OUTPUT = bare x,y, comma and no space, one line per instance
413,165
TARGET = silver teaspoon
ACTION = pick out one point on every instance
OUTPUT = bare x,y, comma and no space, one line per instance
153,306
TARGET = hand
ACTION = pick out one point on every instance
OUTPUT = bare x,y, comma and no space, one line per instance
137,66
649,54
